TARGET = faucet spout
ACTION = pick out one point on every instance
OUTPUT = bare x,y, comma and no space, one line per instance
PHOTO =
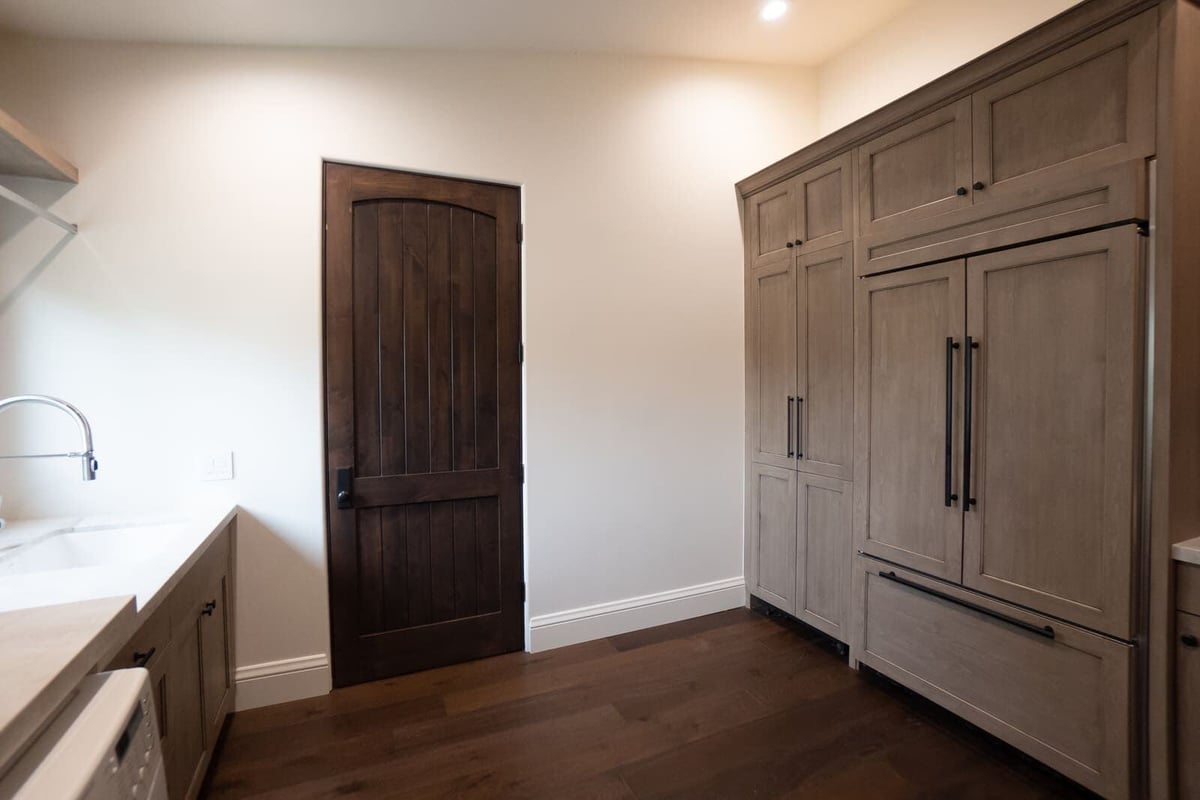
87,455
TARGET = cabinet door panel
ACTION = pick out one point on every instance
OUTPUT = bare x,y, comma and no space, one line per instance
1057,388
214,660
771,223
184,717
771,362
1187,702
903,323
825,196
773,536
916,170
823,553
825,374
1084,108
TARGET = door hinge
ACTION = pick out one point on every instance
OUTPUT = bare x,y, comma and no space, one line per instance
520,233
522,591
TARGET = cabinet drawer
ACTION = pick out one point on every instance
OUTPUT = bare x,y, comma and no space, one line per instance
1187,592
148,646
1064,699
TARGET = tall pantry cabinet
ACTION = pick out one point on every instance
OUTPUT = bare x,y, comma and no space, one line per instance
973,399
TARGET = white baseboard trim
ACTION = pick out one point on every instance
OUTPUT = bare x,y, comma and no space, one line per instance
280,681
563,628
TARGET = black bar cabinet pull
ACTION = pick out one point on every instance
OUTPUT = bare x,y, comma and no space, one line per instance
799,427
1043,630
142,659
978,186
951,346
789,427
961,191
345,479
209,608
968,368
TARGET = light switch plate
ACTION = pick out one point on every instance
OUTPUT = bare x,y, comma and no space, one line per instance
217,467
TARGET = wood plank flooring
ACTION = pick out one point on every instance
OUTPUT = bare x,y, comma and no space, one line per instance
734,705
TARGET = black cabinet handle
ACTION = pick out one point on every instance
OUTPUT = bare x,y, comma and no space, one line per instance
968,369
345,481
799,242
977,185
1189,640
951,346
790,245
209,608
961,191
1044,630
142,659
789,427
799,427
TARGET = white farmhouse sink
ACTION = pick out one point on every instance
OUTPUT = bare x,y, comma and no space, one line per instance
100,546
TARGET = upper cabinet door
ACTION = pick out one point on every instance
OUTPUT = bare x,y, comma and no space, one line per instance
825,361
1057,383
771,363
771,223
918,170
906,409
1087,107
825,204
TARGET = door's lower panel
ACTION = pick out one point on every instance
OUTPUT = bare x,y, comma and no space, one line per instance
1062,697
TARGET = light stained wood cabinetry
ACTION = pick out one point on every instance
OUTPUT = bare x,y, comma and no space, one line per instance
823,553
918,170
1057,388
1058,692
771,362
823,409
186,645
907,325
1025,399
1093,105
772,535
808,212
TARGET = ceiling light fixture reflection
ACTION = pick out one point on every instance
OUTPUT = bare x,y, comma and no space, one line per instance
773,10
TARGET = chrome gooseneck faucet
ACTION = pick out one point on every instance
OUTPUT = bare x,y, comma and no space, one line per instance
90,465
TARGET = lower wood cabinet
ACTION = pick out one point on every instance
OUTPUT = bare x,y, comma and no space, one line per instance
800,545
186,645
1187,681
1056,691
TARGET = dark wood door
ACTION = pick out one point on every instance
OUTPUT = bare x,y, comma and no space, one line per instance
423,421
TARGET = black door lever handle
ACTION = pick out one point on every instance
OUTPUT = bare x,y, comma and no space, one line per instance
345,496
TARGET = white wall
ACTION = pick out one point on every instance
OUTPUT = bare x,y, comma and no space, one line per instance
929,39
184,319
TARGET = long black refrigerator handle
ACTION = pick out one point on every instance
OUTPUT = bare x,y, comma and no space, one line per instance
951,346
789,427
799,427
968,379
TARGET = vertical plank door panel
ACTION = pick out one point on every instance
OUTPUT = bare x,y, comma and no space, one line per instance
423,402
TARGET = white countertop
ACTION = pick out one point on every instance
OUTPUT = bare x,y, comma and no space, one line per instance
1188,552
147,579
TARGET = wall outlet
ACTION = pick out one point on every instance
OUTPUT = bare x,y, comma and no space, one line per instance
217,467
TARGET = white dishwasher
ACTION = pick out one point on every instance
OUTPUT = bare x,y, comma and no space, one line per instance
103,745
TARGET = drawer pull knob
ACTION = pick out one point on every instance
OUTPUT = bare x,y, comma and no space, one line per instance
1189,640
978,186
1044,630
142,659
790,245
209,607
961,191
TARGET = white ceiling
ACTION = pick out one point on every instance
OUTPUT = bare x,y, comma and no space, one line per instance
812,31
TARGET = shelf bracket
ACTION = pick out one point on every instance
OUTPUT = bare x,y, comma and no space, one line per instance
32,207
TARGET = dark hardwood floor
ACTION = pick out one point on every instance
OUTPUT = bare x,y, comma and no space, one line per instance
733,705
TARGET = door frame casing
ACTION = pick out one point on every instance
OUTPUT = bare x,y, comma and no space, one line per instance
328,480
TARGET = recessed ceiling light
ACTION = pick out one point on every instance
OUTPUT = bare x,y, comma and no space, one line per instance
773,10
